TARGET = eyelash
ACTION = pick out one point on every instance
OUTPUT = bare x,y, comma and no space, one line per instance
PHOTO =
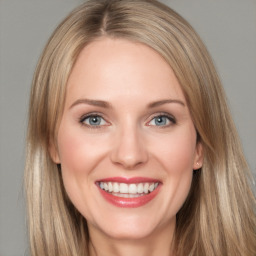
91,115
170,118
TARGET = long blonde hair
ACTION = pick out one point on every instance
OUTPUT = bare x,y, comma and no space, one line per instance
218,216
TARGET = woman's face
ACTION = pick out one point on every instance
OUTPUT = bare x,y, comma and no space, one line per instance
126,142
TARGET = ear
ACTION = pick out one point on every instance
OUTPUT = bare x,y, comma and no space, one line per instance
54,153
199,156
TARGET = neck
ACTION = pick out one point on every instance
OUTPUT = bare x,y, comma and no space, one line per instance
159,243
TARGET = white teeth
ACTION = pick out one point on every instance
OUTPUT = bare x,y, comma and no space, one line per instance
146,186
151,187
123,188
110,187
127,195
140,188
106,186
115,187
132,189
128,190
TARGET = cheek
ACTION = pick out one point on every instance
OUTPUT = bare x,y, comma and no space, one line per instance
72,159
80,154
77,152
78,157
72,153
176,156
177,151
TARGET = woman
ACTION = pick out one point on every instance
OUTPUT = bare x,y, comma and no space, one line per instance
131,147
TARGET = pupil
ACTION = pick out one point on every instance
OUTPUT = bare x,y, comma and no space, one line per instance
94,120
160,120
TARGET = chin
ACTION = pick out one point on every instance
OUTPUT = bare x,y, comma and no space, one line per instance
131,227
134,233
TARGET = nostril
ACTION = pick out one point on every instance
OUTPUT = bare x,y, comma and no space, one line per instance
128,148
129,156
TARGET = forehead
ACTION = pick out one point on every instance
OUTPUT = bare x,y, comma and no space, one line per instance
117,67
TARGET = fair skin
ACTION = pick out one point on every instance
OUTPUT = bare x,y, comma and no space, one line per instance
125,116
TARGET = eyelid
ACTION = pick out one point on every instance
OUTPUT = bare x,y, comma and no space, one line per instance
170,117
92,114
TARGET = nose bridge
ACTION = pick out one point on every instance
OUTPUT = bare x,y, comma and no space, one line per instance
129,149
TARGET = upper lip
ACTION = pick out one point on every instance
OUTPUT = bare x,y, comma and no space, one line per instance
129,180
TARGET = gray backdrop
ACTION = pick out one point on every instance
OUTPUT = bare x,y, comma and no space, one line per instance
228,27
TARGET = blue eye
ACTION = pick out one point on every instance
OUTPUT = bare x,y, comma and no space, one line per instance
162,120
93,120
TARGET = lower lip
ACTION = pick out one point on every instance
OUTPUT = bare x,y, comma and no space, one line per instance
129,202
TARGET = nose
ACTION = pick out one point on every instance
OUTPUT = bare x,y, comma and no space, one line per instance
128,150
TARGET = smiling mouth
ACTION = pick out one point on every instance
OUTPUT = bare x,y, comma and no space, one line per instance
125,190
129,192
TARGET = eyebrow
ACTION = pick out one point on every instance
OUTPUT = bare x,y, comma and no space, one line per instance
97,103
166,101
105,104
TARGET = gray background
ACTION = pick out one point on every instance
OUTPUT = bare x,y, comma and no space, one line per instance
228,27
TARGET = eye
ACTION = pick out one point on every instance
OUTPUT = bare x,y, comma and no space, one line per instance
93,120
162,120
